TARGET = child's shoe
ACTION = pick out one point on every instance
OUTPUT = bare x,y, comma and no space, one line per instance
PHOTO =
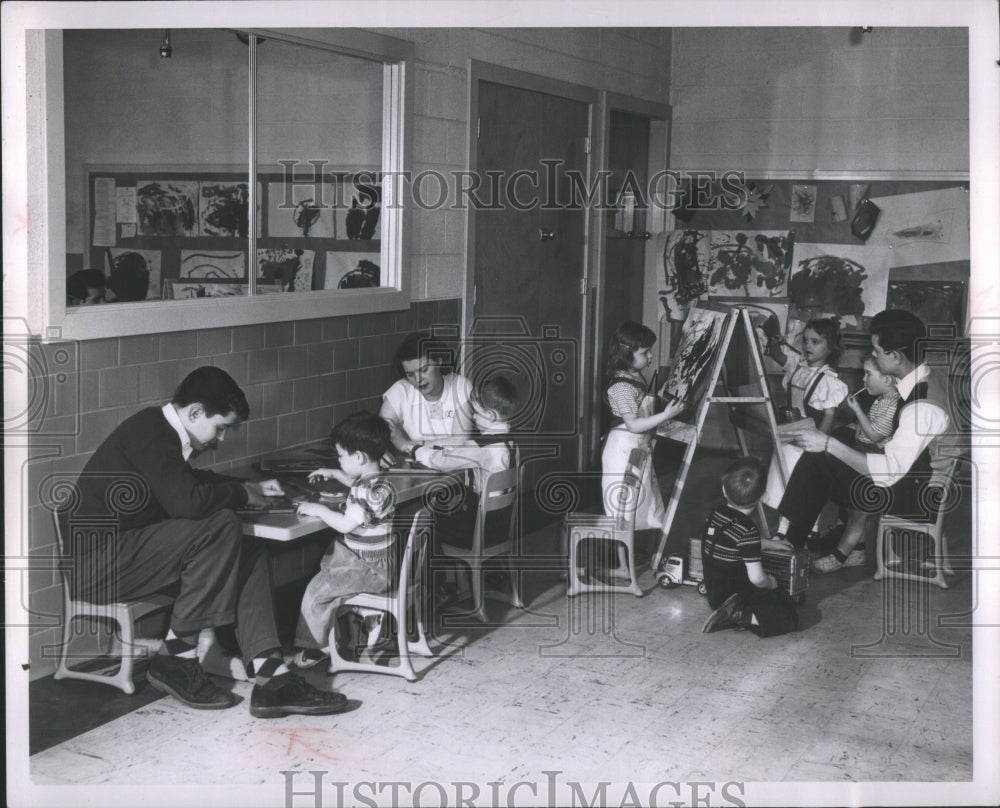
857,558
309,657
827,563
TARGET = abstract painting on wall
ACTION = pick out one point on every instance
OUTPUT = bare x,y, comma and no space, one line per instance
167,207
937,303
803,204
300,210
291,270
749,263
838,280
685,270
352,270
925,227
212,265
190,290
136,263
223,209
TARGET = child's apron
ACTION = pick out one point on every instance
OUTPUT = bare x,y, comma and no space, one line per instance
650,511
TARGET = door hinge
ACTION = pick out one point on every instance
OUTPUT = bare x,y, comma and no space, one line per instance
478,122
475,294
586,145
583,286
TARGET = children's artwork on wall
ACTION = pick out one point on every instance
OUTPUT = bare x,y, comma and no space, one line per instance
167,207
124,262
838,280
190,290
803,203
936,302
223,209
292,270
300,210
749,263
685,270
698,342
352,270
925,227
212,265
360,219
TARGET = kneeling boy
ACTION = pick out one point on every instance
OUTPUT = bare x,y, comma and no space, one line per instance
743,595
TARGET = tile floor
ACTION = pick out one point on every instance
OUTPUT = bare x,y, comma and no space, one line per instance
603,687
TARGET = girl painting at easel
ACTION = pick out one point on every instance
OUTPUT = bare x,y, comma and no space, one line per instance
633,421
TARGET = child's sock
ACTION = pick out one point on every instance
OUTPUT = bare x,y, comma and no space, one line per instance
185,647
841,557
266,668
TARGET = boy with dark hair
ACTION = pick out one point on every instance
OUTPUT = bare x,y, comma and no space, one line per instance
180,531
361,559
743,595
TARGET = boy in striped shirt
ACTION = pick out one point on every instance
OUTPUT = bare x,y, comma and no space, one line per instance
362,558
743,595
875,427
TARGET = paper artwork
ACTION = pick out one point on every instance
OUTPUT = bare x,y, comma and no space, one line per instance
290,270
129,260
167,208
803,203
300,210
223,209
352,270
923,228
212,265
749,264
699,340
189,290
838,280
935,302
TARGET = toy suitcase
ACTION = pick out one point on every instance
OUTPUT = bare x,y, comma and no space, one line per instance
790,570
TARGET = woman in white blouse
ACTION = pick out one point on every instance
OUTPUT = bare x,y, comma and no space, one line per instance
429,403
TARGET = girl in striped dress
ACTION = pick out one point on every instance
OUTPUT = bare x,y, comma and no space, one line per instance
634,421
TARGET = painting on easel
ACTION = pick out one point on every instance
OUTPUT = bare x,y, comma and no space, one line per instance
700,337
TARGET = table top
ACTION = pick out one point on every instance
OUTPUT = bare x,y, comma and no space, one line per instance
409,484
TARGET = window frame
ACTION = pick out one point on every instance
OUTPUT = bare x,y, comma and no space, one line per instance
54,319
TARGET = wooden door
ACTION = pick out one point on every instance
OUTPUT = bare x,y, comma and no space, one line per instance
530,260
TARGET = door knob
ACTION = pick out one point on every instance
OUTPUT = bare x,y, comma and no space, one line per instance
546,235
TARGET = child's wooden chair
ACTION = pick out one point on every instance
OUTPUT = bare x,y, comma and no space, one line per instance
619,528
408,594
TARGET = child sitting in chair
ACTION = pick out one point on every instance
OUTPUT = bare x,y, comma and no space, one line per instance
362,559
492,406
874,428
743,595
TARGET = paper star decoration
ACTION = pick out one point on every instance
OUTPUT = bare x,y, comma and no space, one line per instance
756,199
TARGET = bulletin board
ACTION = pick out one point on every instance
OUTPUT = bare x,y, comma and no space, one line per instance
188,228
789,250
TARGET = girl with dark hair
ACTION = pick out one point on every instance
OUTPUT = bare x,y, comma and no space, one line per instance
633,420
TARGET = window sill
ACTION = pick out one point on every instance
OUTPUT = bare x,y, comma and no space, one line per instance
124,319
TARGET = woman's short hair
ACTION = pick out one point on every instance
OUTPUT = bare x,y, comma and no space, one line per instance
424,345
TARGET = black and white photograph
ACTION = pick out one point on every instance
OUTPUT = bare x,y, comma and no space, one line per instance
631,439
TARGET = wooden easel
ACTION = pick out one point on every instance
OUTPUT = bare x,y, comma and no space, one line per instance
691,433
